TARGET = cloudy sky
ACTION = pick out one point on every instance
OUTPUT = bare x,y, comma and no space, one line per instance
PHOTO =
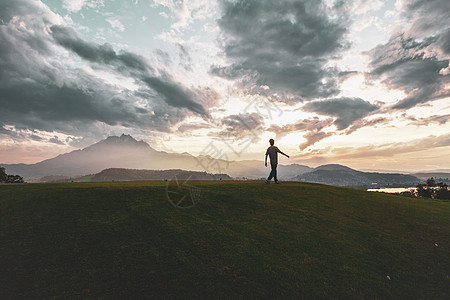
360,83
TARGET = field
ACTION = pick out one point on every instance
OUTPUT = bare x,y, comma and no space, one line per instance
242,239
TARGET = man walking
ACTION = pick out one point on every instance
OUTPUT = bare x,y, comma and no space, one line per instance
272,152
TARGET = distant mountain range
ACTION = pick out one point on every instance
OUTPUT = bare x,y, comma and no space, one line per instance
339,175
125,152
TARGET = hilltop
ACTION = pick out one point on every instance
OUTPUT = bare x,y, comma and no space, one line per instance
242,239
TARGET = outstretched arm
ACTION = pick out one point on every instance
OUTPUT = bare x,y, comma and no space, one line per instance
284,154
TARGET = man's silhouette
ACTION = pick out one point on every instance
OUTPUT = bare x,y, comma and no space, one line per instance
272,152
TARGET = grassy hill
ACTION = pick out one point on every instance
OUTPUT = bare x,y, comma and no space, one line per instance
242,239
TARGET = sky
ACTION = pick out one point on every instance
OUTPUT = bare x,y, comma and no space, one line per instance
361,83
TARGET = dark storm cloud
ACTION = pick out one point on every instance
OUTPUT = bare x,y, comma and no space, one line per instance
414,61
284,45
346,110
242,125
10,8
67,103
171,92
39,90
28,104
426,15
406,64
69,39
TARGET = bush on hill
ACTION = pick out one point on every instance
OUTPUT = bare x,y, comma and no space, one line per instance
430,189
5,178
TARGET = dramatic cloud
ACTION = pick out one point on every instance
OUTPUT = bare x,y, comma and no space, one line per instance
349,114
68,38
366,123
242,126
173,93
282,45
347,110
312,127
413,155
313,137
384,150
409,65
314,124
417,60
44,87
426,16
441,120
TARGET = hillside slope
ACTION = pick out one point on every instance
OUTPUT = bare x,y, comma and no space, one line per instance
242,239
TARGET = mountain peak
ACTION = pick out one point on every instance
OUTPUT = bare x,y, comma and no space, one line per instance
123,137
123,140
333,167
126,137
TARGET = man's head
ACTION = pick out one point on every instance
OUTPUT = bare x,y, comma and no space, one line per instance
271,141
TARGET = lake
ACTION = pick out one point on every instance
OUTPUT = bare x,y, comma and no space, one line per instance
391,190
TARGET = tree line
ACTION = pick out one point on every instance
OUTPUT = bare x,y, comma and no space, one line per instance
5,178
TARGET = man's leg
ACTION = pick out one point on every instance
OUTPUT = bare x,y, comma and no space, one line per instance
272,173
274,170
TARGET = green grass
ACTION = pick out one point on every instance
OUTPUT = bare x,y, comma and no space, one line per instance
243,239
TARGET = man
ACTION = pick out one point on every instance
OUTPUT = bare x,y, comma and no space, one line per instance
272,152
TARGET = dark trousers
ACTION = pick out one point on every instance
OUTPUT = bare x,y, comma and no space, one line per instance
273,173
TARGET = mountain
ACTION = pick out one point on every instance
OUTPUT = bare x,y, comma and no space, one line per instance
113,152
339,175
